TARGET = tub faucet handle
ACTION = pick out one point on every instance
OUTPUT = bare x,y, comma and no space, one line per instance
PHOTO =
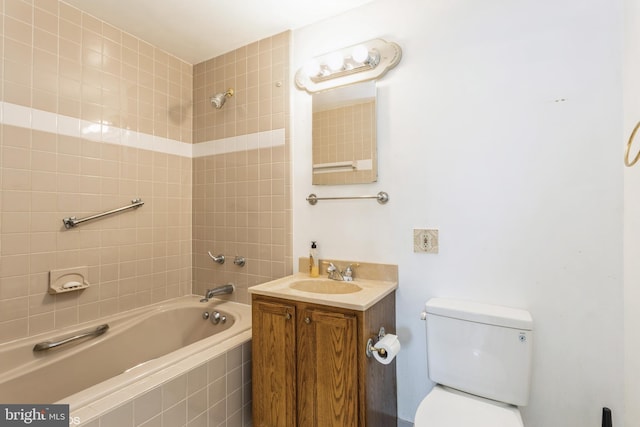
216,258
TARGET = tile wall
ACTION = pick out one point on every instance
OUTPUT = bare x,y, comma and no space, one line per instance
92,117
241,197
59,59
82,104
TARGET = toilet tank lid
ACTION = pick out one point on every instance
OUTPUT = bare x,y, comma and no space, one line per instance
481,313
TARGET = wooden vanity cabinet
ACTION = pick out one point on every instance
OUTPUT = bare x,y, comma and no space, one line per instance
273,356
310,368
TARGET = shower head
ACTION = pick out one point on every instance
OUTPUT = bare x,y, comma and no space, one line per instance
218,99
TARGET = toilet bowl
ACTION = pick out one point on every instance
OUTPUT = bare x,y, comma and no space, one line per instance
479,356
446,407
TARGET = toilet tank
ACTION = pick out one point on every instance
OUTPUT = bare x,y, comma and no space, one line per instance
480,349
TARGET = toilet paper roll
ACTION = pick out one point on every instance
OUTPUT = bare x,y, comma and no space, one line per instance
391,346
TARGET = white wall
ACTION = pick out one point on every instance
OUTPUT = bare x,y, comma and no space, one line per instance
632,215
527,192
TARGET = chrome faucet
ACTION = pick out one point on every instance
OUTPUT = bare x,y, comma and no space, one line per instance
220,290
335,273
216,258
348,274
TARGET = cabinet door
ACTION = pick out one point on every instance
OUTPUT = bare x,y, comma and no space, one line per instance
274,364
328,372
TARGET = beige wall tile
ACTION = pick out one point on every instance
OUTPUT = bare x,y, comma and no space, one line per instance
13,329
85,68
14,244
42,187
14,287
232,194
47,51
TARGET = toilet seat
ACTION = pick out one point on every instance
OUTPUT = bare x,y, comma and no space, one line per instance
446,407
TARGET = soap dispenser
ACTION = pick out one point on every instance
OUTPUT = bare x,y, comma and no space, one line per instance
314,265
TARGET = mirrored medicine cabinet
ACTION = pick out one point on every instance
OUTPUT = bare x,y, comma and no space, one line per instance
344,135
343,88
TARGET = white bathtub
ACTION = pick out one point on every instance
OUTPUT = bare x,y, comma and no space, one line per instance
142,349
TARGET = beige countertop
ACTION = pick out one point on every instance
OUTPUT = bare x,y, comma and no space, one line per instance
370,292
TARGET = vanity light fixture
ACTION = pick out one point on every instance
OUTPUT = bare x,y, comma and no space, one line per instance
365,61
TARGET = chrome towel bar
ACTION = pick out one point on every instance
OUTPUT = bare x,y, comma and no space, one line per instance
47,345
381,196
72,221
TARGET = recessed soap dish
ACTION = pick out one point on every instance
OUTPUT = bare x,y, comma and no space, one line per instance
68,280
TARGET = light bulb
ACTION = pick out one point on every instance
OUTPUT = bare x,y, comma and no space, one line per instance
360,54
335,61
312,68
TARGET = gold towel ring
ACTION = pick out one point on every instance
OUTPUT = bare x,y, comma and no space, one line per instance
626,154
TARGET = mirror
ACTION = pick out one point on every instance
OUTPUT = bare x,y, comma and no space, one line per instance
344,135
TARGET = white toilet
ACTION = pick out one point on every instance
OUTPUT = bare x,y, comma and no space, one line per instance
479,355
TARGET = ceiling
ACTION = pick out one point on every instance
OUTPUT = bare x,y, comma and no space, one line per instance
197,30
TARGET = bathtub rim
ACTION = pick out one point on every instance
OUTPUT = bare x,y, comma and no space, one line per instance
117,322
99,407
168,361
99,398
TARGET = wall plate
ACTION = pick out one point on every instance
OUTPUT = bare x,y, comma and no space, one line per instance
425,240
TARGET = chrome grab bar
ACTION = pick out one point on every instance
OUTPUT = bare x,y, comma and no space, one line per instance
382,198
72,221
47,345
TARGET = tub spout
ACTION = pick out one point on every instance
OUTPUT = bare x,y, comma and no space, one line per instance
220,290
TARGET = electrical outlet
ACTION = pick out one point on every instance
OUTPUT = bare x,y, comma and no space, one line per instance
425,241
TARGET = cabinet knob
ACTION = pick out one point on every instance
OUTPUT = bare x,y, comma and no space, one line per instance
307,320
287,316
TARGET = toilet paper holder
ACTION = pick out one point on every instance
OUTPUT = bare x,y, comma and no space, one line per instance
371,347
